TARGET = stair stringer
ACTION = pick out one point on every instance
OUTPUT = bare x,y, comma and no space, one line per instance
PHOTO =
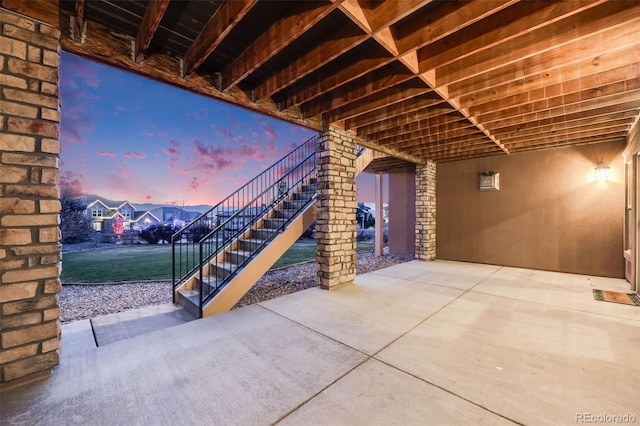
246,278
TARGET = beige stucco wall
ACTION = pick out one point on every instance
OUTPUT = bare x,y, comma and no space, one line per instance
549,213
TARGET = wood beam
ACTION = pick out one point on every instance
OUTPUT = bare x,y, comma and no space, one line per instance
627,110
560,94
300,19
526,114
561,105
228,15
415,125
464,154
570,134
400,108
560,142
362,64
339,43
392,152
433,132
563,79
373,82
498,28
45,11
422,137
445,20
435,150
104,46
150,22
598,27
78,21
390,96
408,118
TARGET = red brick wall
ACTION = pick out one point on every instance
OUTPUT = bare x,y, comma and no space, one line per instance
29,236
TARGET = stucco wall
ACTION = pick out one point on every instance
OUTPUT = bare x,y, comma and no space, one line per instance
402,212
549,213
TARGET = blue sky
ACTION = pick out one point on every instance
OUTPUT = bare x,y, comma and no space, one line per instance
126,137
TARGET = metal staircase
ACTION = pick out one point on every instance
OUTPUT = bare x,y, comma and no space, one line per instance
219,256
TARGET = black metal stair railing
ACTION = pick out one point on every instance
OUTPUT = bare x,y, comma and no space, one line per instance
220,241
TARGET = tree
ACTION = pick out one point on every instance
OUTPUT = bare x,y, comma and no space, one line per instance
74,225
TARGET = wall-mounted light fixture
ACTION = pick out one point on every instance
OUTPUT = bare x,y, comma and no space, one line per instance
602,171
489,181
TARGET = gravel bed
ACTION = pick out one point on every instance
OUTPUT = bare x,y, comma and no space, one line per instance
83,301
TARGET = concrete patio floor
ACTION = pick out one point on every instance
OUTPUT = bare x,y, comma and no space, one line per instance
418,343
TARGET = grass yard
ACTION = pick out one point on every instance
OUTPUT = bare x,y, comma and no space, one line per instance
151,262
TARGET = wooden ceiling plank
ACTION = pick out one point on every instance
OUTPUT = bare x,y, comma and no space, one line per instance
572,133
544,109
320,54
400,108
451,120
499,28
445,20
625,109
608,68
392,152
390,96
563,93
599,27
593,140
440,151
575,137
405,119
228,15
302,17
329,49
326,81
451,141
424,137
150,22
373,82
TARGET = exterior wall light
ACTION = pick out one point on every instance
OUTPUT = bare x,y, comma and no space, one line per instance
602,171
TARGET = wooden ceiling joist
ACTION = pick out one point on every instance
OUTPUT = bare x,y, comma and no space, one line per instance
150,22
78,21
219,26
416,79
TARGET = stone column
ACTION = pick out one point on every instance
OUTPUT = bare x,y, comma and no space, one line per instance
336,214
29,235
426,211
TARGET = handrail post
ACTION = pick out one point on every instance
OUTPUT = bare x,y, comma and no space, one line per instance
201,278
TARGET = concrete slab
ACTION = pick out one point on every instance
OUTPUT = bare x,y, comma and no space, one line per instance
134,322
460,275
378,394
534,363
248,366
77,337
368,314
569,291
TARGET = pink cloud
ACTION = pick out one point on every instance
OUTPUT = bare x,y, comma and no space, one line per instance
124,170
140,155
106,153
195,183
269,130
170,151
149,134
165,134
127,155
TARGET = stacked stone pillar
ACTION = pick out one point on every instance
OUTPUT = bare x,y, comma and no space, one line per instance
426,211
336,214
29,235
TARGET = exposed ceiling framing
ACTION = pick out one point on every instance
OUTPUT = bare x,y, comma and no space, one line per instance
417,79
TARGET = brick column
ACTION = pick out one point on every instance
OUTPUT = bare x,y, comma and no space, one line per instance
29,235
426,211
336,217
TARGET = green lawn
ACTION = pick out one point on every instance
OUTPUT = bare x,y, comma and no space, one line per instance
151,262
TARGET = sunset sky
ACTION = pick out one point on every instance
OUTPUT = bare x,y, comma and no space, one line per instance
125,137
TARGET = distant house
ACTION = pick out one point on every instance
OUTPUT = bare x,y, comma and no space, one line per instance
174,216
104,213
